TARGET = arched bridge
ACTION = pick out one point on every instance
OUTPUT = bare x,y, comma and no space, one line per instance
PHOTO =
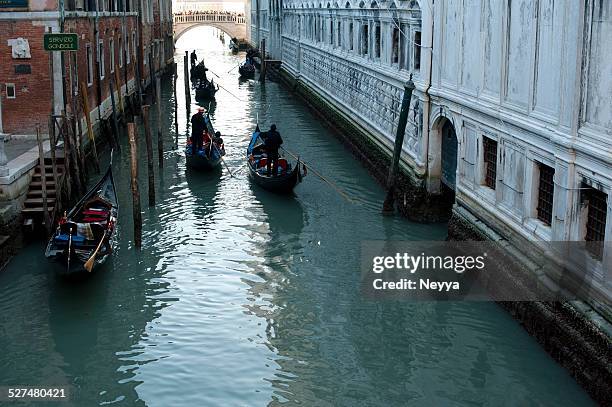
231,23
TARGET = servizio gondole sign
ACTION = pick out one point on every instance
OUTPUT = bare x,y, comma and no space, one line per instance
61,42
13,4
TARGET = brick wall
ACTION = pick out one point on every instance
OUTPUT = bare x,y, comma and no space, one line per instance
32,102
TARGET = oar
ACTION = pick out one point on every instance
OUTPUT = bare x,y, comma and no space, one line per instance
334,186
89,263
69,250
233,68
221,157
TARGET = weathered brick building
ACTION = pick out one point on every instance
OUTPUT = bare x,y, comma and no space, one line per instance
113,35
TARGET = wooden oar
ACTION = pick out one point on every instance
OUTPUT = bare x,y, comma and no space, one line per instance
69,250
221,157
334,186
89,263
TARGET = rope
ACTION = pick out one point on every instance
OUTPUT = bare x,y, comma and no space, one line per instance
330,183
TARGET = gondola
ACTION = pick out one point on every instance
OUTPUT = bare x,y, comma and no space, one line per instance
283,183
210,157
246,70
83,239
205,90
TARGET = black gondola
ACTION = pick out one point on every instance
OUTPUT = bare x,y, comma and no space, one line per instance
282,183
83,238
210,157
247,70
205,90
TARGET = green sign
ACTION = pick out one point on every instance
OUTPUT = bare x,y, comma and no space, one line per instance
13,3
61,42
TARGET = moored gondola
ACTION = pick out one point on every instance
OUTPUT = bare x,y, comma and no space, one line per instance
288,175
83,238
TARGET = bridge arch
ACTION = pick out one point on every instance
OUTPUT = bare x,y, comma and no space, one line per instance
232,24
233,32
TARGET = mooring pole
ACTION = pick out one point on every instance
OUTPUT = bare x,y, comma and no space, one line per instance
176,131
262,70
160,140
115,123
149,142
388,205
134,184
92,139
186,74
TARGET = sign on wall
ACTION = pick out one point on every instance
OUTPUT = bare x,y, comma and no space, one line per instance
13,4
61,42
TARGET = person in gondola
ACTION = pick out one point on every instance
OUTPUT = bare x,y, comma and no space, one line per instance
194,57
272,141
198,125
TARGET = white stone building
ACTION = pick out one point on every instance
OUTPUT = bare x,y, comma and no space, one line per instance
512,108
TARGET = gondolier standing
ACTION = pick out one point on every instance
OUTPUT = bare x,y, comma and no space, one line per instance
272,142
198,125
194,57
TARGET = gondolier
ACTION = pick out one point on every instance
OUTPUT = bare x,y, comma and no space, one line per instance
194,57
273,141
198,125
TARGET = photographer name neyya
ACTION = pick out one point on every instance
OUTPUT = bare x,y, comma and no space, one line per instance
412,264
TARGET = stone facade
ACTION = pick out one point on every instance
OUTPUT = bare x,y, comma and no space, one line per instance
511,116
515,95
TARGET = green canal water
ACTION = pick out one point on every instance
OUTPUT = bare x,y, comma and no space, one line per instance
242,298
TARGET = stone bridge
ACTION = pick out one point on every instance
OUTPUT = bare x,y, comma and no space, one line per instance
231,23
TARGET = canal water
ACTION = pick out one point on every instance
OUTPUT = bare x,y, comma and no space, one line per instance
242,298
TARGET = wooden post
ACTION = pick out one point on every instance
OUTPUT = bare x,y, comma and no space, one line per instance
43,177
176,131
67,154
52,143
388,204
160,140
262,71
78,136
149,142
115,124
118,86
186,74
92,139
134,183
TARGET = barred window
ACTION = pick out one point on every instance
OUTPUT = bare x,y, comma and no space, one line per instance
596,204
490,161
546,189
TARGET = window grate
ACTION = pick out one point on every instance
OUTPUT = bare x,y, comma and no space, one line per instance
546,189
490,161
596,221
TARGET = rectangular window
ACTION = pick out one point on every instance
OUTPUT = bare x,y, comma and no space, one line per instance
351,37
90,65
339,31
546,189
597,206
146,55
395,47
10,91
128,55
101,58
377,40
111,50
490,161
365,44
417,50
331,32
